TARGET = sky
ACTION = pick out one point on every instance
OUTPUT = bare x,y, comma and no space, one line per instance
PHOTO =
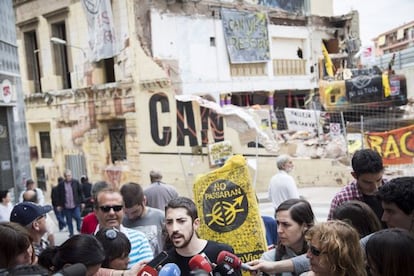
377,16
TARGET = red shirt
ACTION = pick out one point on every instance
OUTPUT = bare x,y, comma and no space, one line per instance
89,224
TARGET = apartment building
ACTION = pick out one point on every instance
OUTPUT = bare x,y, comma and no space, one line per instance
100,80
14,150
395,40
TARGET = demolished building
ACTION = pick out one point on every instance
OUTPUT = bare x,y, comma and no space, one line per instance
100,83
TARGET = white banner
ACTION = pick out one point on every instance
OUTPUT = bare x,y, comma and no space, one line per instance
239,119
303,120
367,55
102,41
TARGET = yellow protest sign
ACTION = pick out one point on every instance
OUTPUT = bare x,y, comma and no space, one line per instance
228,209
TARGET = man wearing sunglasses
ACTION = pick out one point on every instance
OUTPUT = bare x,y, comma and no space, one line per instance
109,211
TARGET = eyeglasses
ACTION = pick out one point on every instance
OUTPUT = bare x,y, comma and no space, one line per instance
315,251
39,218
111,234
107,209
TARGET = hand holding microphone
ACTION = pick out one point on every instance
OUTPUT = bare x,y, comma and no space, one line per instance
151,268
233,261
223,269
200,262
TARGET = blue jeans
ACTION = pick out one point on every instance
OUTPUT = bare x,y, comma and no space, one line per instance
70,214
60,218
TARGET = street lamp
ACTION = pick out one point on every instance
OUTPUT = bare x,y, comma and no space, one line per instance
59,41
56,40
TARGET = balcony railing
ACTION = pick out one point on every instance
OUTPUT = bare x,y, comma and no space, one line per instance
288,67
281,67
248,69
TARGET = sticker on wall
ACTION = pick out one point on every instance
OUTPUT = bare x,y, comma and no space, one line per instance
6,91
5,165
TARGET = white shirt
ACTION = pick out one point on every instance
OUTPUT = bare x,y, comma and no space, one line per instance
5,211
282,186
40,196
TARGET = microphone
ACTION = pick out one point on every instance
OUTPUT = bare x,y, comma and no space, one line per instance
170,269
223,269
150,269
199,262
72,270
147,271
199,272
232,260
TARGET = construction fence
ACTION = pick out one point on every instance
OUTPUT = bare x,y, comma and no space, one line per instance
389,131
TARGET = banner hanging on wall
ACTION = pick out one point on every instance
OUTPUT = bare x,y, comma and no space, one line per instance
246,36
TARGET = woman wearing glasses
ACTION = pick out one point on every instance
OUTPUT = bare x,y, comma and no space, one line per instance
334,250
116,246
294,217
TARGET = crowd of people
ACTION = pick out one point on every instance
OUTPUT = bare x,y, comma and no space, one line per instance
360,236
137,231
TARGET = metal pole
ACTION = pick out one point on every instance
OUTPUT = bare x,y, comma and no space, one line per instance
317,122
257,156
362,131
345,134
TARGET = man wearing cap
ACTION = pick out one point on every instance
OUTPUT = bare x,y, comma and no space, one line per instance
33,217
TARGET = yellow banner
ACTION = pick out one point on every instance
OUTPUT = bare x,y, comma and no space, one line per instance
229,210
328,61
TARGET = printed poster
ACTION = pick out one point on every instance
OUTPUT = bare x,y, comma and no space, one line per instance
228,209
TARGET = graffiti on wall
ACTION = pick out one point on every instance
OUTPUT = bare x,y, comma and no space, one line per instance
246,36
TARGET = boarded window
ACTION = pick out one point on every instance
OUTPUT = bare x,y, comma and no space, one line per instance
45,148
117,141
60,55
32,59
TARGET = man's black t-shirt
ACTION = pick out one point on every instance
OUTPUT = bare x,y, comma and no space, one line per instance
211,250
373,202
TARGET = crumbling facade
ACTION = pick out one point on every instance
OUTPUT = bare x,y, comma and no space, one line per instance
115,117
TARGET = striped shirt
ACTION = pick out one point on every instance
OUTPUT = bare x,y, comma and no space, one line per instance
140,247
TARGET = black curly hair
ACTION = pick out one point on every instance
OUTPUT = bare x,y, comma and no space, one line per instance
400,191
